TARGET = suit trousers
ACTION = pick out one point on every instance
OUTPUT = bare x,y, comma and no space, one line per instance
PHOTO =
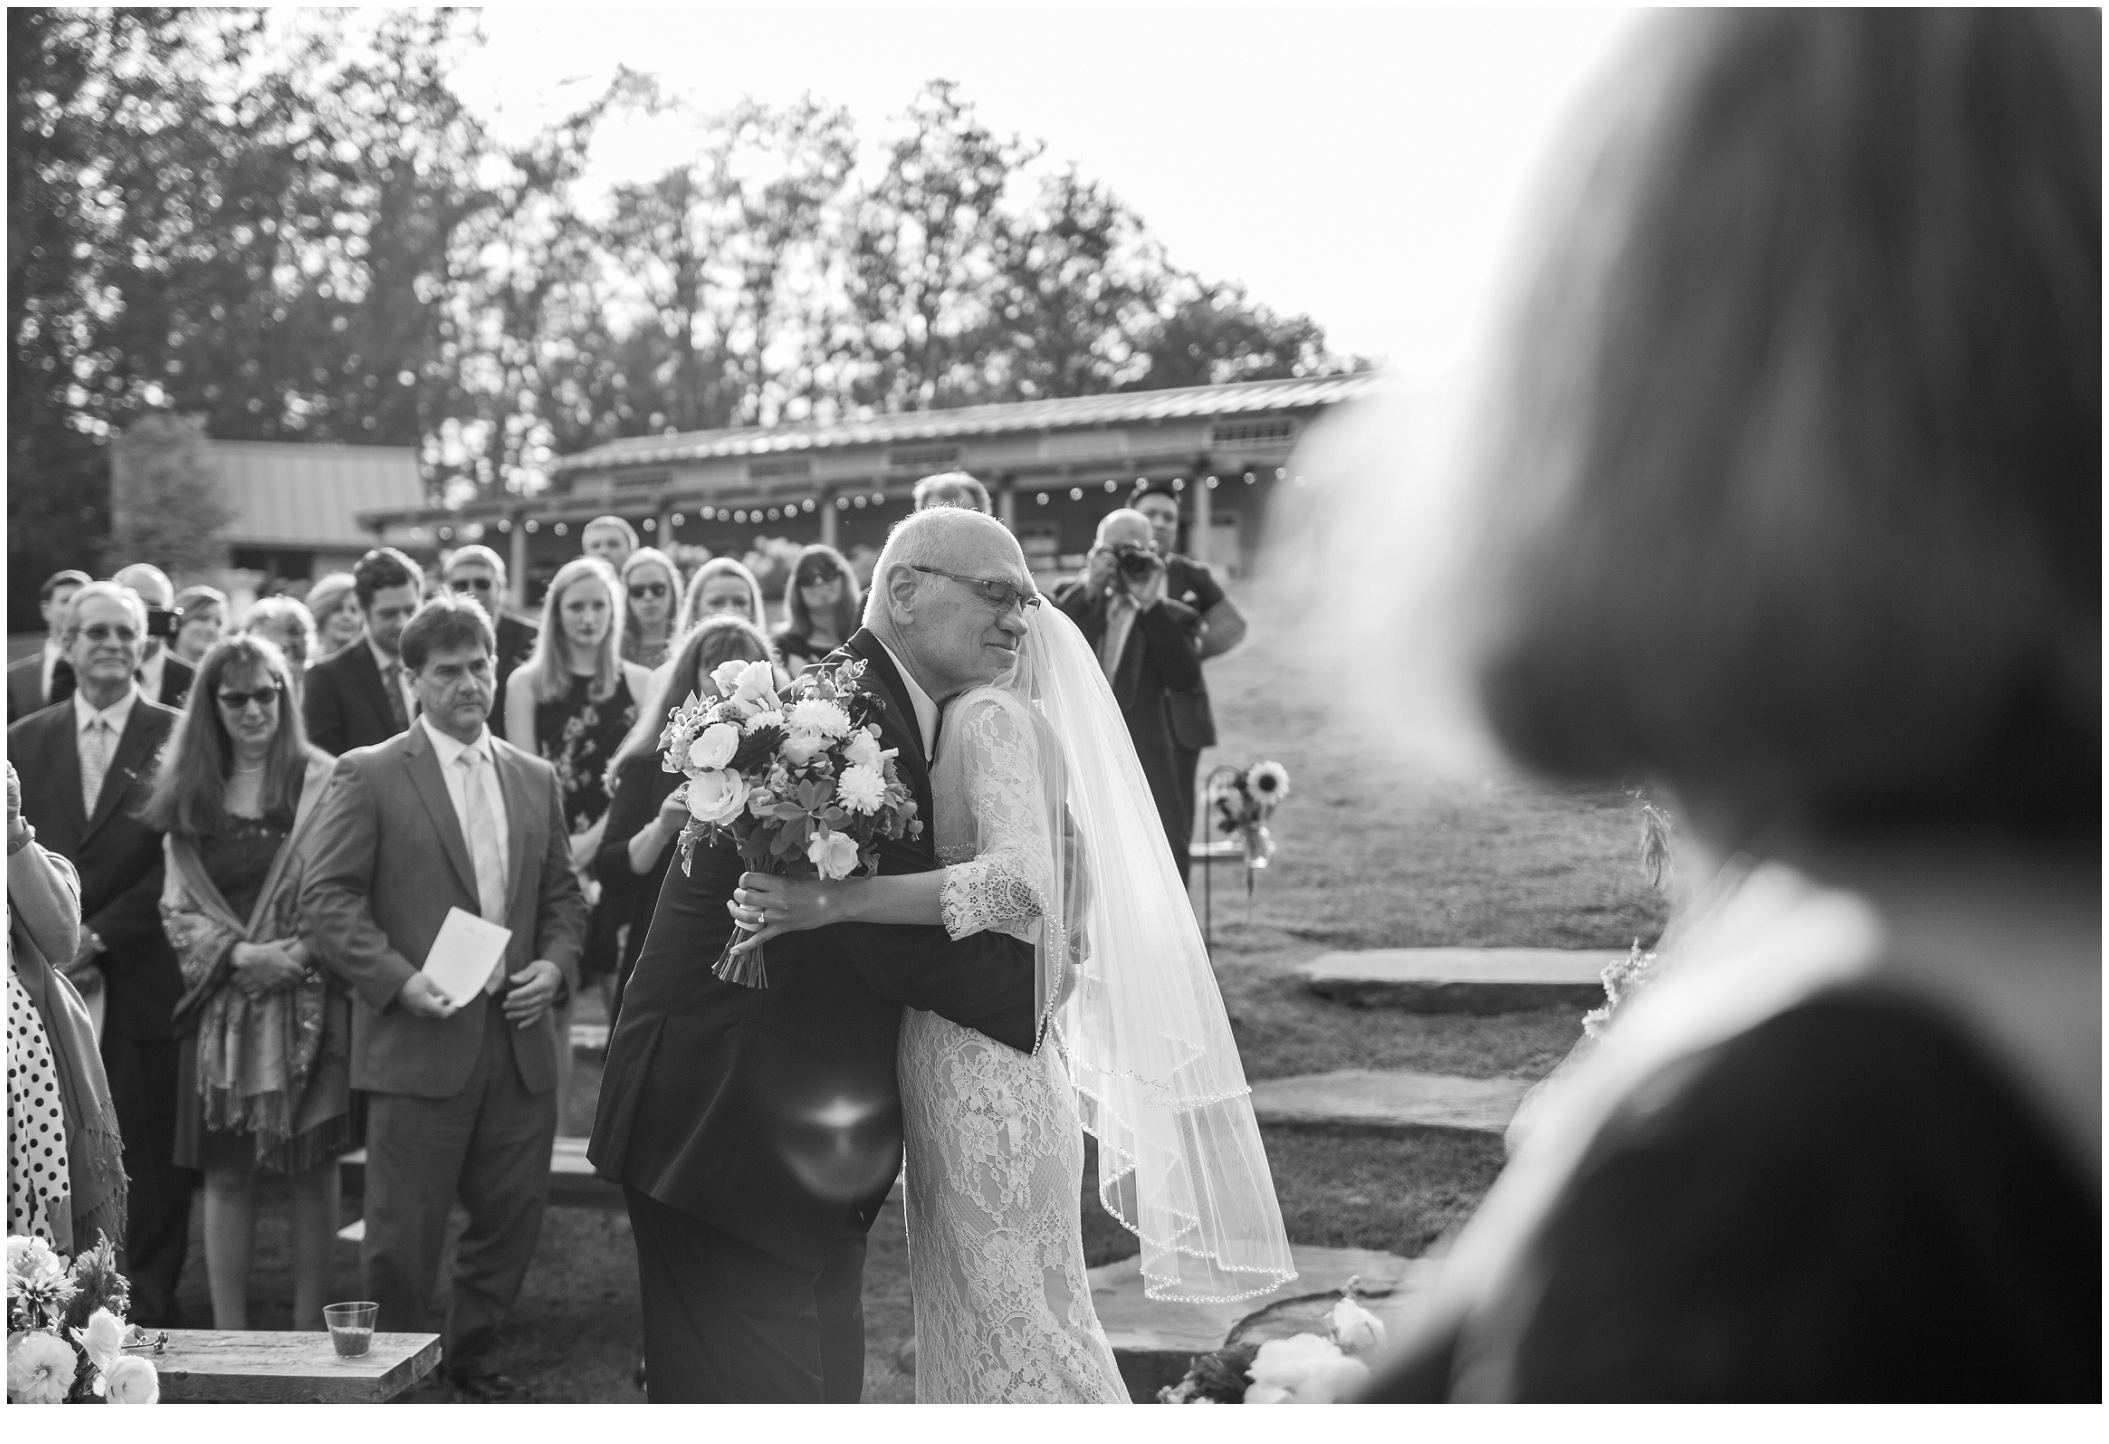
727,1323
142,1073
1186,766
489,1146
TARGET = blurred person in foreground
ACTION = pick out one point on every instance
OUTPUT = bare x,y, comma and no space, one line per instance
87,769
263,1076
65,1155
479,572
202,621
286,625
951,488
651,587
723,584
1146,646
644,816
461,1097
363,695
29,680
1799,516
334,604
821,606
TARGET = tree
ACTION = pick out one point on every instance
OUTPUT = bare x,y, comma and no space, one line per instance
167,505
1212,334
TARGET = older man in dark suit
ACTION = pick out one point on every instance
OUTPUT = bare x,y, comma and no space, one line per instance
463,1101
362,695
86,770
1147,644
163,676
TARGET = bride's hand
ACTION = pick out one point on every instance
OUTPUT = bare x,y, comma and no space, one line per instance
770,905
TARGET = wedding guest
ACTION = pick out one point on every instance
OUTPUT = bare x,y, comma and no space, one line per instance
29,680
610,538
462,1100
1145,642
722,585
644,817
821,606
1819,550
951,488
262,1077
362,695
286,625
651,585
87,768
65,1154
334,603
163,676
478,571
204,618
1222,627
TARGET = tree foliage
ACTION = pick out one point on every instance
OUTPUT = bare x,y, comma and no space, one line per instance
299,231
167,504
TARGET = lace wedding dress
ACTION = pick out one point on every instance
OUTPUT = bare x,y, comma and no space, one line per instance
995,1148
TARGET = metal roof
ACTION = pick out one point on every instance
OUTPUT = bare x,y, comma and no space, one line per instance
309,494
1056,414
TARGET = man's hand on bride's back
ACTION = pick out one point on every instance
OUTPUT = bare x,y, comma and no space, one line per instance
768,905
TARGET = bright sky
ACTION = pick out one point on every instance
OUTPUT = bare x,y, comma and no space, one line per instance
1366,166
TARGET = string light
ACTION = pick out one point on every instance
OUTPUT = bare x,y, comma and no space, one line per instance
533,526
505,523
1212,482
446,533
650,524
806,505
842,503
562,530
709,513
1041,498
860,502
1178,483
1076,493
676,519
1112,485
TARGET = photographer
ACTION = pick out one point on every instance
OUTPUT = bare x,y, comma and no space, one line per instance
1149,647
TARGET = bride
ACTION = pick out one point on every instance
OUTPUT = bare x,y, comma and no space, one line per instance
1046,829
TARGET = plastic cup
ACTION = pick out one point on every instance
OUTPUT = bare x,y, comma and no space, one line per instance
351,1328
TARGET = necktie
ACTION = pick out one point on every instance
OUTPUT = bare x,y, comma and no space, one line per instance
485,851
393,680
1120,618
95,761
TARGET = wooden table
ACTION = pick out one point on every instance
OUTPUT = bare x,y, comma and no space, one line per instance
222,1366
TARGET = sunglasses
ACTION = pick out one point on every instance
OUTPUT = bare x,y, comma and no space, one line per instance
654,590
464,584
104,631
819,579
262,697
1000,595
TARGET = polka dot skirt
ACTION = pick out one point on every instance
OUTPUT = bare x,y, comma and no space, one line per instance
37,1182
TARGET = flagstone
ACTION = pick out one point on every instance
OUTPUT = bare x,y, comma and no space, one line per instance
1463,980
1391,1102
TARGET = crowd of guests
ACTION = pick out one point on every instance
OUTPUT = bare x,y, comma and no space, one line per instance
230,853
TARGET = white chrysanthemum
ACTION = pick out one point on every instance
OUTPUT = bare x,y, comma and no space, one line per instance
862,789
820,717
40,1368
767,717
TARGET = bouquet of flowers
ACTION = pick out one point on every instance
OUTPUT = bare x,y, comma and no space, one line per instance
67,1342
1243,800
1301,1369
798,783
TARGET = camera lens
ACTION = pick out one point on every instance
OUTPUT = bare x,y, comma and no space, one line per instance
1135,562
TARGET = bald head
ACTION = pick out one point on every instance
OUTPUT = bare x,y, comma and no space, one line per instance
950,539
1126,527
928,605
150,582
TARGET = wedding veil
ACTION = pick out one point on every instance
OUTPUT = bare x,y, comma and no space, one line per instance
1142,1027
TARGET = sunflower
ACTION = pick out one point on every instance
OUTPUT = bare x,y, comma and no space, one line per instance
1269,782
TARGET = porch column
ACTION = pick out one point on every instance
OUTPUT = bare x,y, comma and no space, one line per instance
1007,502
516,563
1200,518
830,525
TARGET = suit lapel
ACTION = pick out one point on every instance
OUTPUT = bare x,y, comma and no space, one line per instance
897,724
368,672
139,739
422,763
62,751
520,812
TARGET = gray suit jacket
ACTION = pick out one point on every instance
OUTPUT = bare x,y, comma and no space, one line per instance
386,860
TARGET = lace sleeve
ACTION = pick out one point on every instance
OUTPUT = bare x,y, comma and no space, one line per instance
1005,886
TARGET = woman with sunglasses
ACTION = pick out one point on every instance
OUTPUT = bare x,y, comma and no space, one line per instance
651,587
263,1067
821,607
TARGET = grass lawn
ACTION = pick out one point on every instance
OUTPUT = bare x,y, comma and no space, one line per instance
1369,855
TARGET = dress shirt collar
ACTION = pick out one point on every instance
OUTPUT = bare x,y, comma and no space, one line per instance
117,714
150,672
925,709
450,750
52,652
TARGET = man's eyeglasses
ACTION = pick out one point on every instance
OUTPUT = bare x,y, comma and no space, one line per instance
464,584
104,631
654,590
1000,595
262,697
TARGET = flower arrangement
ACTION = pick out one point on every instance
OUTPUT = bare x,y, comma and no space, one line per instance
1243,800
798,783
67,1342
1301,1369
1622,980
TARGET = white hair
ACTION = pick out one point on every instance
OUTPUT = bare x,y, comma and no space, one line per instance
133,602
933,538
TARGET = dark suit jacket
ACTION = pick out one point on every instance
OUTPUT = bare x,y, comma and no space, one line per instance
1159,659
118,856
346,703
516,640
25,686
386,860
176,677
772,1114
1193,720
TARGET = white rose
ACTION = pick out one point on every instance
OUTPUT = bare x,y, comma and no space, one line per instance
863,750
1333,1381
816,714
757,682
726,676
102,1340
1266,1394
716,796
833,854
802,747
715,747
862,789
132,1380
1286,1363
1357,1330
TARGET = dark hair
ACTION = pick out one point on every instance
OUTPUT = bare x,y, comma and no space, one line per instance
444,622
705,647
1151,487
920,497
1801,507
381,568
190,789
798,618
66,578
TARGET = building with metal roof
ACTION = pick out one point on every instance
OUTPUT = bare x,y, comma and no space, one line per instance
1054,468
297,505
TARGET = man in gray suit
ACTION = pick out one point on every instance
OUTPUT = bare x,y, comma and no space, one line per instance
463,1097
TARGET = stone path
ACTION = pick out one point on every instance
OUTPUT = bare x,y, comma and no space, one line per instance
1155,1342
1400,1102
1462,980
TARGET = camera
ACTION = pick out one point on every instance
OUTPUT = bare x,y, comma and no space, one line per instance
1135,563
163,621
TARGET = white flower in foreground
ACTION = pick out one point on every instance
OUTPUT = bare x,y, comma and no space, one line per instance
766,717
715,747
802,747
1309,1369
716,796
833,854
863,750
132,1380
40,1368
1268,1394
862,789
726,676
1357,1329
756,683
820,716
102,1339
